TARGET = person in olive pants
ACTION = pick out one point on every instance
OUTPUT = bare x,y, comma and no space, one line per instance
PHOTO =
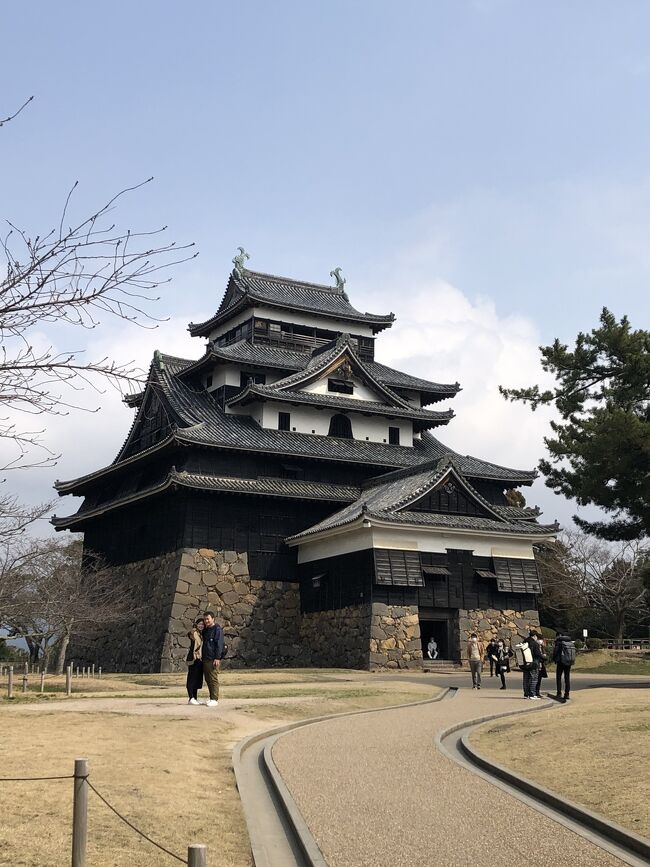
211,654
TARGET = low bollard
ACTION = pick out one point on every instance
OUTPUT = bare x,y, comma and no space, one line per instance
197,855
80,813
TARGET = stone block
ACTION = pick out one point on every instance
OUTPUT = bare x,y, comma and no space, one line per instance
230,556
241,588
242,608
230,597
206,552
387,644
379,609
410,619
239,569
188,573
224,587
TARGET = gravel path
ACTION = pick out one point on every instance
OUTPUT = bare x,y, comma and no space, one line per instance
375,792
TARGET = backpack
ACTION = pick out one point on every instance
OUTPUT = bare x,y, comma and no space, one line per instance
524,656
567,652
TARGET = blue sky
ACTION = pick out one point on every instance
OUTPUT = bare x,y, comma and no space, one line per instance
480,168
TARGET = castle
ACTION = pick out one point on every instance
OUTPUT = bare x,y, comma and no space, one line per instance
293,484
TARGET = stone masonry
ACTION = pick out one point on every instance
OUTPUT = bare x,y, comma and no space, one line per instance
262,621
493,623
395,637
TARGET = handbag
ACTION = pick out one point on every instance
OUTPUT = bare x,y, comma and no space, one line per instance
543,672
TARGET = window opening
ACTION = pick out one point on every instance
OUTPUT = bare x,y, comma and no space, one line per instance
393,436
284,421
340,426
340,386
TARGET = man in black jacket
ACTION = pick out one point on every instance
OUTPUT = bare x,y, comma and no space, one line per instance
563,667
211,655
531,675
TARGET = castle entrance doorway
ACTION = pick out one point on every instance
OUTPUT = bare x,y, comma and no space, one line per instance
439,626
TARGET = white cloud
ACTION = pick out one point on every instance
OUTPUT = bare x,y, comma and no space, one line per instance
443,336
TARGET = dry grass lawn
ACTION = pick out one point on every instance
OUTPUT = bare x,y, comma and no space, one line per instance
165,766
595,751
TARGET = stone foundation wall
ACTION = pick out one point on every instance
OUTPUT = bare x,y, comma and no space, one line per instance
260,619
395,637
337,639
136,646
494,623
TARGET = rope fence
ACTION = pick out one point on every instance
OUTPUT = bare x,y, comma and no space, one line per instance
197,853
10,671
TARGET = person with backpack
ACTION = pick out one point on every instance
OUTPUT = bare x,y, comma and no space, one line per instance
211,655
564,655
475,654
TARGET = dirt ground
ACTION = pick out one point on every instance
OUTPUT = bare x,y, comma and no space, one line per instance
595,751
164,765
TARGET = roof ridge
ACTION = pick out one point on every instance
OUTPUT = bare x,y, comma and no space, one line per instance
280,279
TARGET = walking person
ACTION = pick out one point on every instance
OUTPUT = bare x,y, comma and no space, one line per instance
211,653
531,672
502,661
564,655
542,673
475,654
194,662
491,657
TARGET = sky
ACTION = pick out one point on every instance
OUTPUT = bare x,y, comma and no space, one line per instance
478,167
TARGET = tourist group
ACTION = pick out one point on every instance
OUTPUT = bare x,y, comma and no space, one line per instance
530,656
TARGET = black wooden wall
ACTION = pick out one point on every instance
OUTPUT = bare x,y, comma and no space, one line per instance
462,588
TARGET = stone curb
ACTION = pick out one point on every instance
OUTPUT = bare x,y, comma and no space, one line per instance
595,822
308,845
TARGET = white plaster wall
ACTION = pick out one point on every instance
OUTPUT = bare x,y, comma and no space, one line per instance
340,325
411,539
307,419
223,374
361,391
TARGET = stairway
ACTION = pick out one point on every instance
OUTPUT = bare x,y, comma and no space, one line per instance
441,666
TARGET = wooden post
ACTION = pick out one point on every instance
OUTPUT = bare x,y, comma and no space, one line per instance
99,673
10,682
197,855
24,683
26,671
42,681
77,675
80,813
68,680
93,674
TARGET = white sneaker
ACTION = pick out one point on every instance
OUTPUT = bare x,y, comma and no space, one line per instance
212,702
193,701
535,698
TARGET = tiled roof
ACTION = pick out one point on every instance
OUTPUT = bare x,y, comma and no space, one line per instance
202,422
287,488
283,292
518,513
337,401
256,355
386,501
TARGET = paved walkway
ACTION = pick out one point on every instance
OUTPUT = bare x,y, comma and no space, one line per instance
376,792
